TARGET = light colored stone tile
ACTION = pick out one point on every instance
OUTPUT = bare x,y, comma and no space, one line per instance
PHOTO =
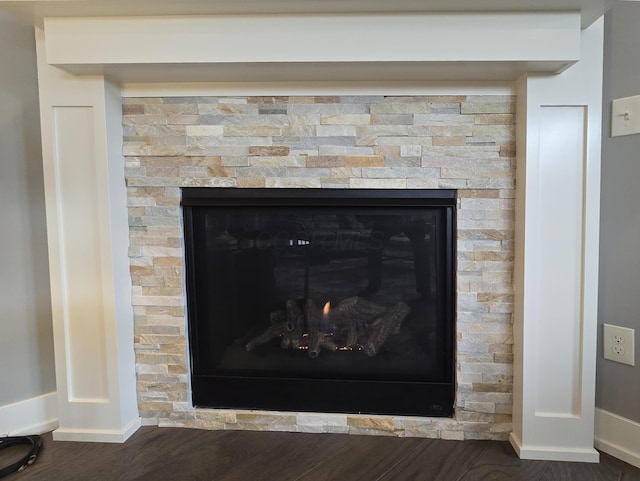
204,130
159,251
263,417
298,182
382,130
401,108
378,183
492,387
323,419
452,183
472,106
153,150
218,415
387,150
402,162
504,119
218,150
410,150
437,141
312,428
293,172
359,151
376,423
473,347
364,161
292,428
179,119
242,141
495,131
482,407
426,183
165,109
144,119
251,131
373,432
257,172
227,109
210,425
443,119
415,427
273,150
469,377
336,130
328,109
446,98
421,433
346,172
282,161
334,183
395,141
399,172
156,301
168,140
345,119
392,119
452,435
331,150
234,161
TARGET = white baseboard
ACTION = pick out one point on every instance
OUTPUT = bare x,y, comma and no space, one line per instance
31,416
587,455
618,436
97,435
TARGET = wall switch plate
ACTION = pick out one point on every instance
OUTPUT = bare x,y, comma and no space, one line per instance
625,116
619,344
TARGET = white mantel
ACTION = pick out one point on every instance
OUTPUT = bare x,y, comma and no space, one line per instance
558,144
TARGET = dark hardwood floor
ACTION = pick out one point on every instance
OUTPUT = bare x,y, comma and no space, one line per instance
196,455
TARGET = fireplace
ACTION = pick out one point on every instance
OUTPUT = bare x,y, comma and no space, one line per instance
460,135
321,300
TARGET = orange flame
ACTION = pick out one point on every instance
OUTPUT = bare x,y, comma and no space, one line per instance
326,308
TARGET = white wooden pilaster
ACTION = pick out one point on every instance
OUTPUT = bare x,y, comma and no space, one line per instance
87,231
556,272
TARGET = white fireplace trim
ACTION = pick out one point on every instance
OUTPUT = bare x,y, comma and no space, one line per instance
92,300
418,46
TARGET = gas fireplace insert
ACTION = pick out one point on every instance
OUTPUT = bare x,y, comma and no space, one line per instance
322,300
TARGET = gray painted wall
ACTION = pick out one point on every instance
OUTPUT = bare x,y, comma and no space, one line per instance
26,344
618,385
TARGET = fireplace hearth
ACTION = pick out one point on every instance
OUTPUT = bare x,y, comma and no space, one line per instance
321,300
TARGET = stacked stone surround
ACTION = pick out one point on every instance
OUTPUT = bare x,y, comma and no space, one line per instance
454,142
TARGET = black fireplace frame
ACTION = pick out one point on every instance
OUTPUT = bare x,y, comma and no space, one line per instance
324,395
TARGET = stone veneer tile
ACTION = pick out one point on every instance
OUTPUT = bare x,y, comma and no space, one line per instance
374,183
265,418
377,423
364,161
461,142
325,161
277,150
299,182
400,108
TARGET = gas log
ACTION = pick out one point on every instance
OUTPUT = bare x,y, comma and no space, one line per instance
354,324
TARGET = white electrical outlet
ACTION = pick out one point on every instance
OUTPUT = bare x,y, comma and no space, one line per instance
619,344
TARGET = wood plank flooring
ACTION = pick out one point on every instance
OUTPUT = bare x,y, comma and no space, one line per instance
154,454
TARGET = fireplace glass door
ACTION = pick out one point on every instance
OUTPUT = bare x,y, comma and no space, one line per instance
321,300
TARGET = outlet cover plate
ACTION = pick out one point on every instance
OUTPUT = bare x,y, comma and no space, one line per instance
619,344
